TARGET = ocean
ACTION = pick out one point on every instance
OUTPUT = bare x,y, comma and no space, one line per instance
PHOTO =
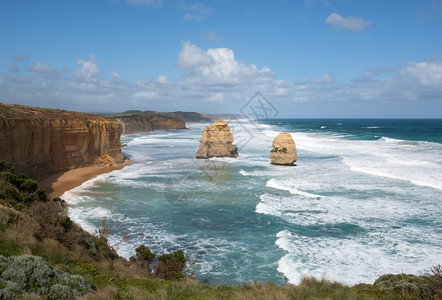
364,200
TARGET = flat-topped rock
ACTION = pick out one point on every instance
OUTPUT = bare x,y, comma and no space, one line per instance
284,150
217,141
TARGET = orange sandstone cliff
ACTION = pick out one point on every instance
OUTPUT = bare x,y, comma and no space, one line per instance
42,142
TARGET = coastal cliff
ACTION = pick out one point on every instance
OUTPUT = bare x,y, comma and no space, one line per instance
42,142
137,122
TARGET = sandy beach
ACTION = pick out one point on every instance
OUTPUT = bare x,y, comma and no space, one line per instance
57,184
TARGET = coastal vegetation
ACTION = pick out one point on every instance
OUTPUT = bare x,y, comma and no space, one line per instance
283,150
45,255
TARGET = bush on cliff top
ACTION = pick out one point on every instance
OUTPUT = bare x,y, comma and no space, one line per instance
18,190
32,274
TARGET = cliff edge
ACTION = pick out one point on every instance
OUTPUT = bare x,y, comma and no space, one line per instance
42,141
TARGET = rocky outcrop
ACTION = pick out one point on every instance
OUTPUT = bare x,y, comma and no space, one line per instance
42,142
144,122
284,150
216,141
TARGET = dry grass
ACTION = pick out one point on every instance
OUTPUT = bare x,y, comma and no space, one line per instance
106,293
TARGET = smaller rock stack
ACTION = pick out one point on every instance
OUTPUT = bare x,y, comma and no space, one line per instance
284,150
216,141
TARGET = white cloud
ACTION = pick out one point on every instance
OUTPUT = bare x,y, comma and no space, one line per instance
325,79
145,95
192,56
89,70
41,68
216,97
424,73
351,23
163,79
218,67
115,76
221,83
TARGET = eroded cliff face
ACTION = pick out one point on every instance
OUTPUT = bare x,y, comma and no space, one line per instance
42,142
139,123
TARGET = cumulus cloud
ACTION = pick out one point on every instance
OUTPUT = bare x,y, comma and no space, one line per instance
115,76
41,68
89,70
354,24
146,95
21,58
218,67
423,73
222,82
192,56
413,81
163,79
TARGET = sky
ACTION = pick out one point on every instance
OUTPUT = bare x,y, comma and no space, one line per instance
307,58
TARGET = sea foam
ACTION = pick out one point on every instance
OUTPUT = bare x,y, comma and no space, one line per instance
351,210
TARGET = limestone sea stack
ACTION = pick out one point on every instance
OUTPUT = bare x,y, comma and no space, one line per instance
217,141
284,150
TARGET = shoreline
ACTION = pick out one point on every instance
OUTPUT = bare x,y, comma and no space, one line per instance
57,184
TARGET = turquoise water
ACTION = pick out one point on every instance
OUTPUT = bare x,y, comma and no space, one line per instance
363,200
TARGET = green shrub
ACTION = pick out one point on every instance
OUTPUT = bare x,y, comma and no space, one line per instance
171,266
276,149
66,223
41,195
29,186
6,166
18,190
28,198
59,200
179,258
144,253
8,249
32,274
9,177
89,243
399,283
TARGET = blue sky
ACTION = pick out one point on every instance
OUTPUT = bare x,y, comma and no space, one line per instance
310,58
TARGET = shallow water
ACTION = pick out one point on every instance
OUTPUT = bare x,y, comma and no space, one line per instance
363,200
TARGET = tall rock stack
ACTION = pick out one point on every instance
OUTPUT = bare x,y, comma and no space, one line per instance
284,150
216,141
